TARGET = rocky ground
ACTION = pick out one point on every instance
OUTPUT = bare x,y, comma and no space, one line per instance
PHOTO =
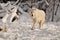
21,30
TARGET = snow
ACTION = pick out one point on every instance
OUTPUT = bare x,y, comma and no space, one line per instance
21,30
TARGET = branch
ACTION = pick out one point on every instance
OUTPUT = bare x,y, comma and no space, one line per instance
16,2
56,9
21,10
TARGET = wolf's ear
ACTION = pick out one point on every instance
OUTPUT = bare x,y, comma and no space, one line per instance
33,8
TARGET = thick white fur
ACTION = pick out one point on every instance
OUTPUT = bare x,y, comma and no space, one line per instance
38,16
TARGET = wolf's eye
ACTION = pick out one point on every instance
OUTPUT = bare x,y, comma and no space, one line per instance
32,15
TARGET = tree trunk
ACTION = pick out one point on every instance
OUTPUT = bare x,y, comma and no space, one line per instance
53,11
